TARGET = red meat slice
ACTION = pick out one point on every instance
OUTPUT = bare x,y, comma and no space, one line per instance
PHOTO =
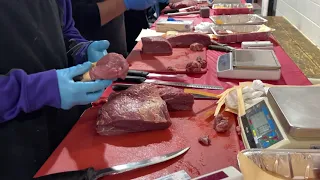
137,109
176,99
182,4
184,40
111,66
156,45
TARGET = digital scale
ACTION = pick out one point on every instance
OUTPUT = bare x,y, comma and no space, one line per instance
249,64
287,118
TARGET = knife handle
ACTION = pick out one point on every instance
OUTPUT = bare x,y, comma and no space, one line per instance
132,79
86,174
137,73
219,48
120,87
170,11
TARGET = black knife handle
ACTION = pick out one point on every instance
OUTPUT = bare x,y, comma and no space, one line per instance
86,174
132,79
120,87
219,48
137,73
170,11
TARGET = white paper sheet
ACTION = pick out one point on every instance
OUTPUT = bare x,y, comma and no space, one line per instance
148,33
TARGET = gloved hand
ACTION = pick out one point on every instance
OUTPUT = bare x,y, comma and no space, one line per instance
78,93
97,50
139,4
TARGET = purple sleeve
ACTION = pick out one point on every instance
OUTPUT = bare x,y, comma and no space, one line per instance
20,92
76,43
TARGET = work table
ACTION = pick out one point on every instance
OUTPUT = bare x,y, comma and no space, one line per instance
300,49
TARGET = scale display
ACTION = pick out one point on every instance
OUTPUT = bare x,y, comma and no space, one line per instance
260,128
224,62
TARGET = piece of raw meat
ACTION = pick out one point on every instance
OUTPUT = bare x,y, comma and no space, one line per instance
170,68
202,62
221,124
111,66
196,47
182,4
184,40
156,45
193,67
176,99
205,141
136,109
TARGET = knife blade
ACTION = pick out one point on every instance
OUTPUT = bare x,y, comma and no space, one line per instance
153,75
91,174
121,87
137,79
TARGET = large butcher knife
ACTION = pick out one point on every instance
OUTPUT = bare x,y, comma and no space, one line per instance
92,174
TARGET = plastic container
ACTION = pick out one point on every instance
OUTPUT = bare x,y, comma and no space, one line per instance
288,163
240,19
229,9
240,33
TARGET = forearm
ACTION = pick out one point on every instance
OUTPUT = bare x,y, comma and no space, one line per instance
20,92
109,9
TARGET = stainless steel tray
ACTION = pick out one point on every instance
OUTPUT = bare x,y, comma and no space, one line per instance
288,163
239,29
240,19
231,5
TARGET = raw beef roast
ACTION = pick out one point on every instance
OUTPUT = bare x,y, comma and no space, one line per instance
176,99
182,4
136,109
196,47
184,40
193,67
156,45
111,66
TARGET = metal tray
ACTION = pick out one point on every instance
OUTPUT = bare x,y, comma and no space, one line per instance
240,33
231,5
288,163
240,19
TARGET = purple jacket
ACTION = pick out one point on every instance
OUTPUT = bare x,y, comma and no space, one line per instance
27,93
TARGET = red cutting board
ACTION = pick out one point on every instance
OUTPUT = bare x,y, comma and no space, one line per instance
83,147
151,63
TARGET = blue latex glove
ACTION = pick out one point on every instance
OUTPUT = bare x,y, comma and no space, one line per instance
139,4
78,93
97,50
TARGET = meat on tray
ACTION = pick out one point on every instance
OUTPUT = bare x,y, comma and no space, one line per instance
176,99
182,4
156,45
193,67
184,40
196,47
136,109
111,66
221,124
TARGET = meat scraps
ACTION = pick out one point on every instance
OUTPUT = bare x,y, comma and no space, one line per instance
136,109
196,47
111,66
221,124
193,67
205,141
156,45
184,40
176,99
182,4
202,62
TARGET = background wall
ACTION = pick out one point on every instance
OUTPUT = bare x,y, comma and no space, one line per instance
304,15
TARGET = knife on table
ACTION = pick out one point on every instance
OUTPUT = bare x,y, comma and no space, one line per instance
92,174
153,75
139,80
121,87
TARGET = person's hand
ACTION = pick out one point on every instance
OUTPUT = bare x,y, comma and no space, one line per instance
139,4
97,50
78,93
